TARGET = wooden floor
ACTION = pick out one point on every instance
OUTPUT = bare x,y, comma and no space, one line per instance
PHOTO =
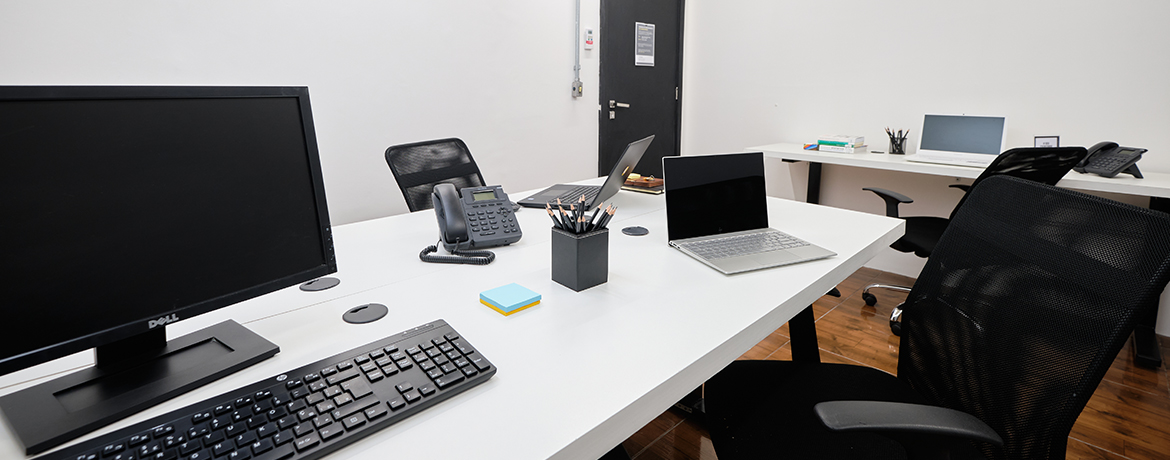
1127,418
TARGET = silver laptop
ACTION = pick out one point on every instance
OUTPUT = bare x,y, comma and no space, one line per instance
717,212
594,195
963,140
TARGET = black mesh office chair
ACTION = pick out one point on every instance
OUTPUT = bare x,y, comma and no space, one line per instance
418,167
1045,165
1018,314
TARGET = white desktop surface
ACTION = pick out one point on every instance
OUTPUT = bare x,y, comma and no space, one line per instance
1154,183
578,373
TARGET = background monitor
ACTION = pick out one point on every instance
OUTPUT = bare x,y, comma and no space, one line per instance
962,134
129,208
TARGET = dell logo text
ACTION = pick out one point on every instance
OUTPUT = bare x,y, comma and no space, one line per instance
163,321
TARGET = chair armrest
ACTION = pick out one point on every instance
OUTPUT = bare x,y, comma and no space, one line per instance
902,418
892,199
963,187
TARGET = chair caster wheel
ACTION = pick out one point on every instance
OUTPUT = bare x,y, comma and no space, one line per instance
869,299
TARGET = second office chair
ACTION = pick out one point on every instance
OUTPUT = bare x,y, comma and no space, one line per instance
419,166
1044,164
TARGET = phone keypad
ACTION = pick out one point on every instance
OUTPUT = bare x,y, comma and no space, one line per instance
489,218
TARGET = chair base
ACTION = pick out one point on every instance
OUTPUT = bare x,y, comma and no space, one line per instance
871,300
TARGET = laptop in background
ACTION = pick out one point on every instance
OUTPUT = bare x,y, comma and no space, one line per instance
569,193
963,140
717,212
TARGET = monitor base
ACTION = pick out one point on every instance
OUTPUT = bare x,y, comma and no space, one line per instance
59,410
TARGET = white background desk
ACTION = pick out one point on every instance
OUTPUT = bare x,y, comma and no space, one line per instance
1155,185
578,373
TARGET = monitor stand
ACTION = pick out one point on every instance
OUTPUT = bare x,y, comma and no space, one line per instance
129,376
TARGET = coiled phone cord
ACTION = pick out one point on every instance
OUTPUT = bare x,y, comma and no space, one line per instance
457,256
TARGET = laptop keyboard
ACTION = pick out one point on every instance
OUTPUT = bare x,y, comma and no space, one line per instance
574,195
739,245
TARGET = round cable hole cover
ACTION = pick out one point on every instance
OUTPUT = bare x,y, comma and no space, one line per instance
320,284
636,231
367,313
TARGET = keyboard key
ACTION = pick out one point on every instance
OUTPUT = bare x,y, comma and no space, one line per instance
307,442
354,421
341,377
163,431
267,430
262,446
281,453
322,420
375,412
283,437
412,396
303,429
448,380
330,432
356,407
244,439
242,454
112,449
357,388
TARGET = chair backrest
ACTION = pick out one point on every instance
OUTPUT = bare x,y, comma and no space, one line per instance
1046,165
1024,305
418,167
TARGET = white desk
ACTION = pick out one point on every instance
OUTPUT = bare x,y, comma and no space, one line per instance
1154,185
578,373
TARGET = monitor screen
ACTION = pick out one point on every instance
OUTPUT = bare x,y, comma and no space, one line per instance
130,207
962,134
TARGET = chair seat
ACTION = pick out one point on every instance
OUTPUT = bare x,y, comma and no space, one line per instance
763,409
922,234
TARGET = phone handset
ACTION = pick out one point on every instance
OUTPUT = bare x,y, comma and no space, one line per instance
449,211
1109,159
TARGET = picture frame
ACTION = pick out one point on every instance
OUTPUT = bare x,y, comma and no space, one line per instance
1047,141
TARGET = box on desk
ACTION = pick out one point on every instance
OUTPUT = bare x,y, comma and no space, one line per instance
580,262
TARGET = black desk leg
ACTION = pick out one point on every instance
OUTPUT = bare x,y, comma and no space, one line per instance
1147,353
814,183
803,329
803,326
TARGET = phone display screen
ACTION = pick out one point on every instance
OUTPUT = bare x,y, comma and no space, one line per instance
483,196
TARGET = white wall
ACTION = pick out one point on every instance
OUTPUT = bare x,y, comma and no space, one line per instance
380,72
766,71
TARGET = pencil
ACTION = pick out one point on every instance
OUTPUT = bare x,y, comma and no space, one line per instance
556,223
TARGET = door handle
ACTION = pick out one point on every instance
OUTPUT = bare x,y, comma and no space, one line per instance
618,105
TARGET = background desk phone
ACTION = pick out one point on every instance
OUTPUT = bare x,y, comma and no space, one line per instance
1109,159
474,217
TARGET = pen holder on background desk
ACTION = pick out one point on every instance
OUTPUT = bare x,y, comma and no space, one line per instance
580,262
897,146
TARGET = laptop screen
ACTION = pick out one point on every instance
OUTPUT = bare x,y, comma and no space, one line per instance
961,134
714,194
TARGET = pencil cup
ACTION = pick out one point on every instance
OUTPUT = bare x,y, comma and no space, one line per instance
580,262
898,147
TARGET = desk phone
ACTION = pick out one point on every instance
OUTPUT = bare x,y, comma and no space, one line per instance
474,217
1109,159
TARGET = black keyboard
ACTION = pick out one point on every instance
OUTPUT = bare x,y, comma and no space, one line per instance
310,411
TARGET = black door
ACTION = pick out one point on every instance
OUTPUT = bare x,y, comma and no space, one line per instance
644,94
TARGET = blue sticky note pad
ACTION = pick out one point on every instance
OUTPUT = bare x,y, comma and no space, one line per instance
509,298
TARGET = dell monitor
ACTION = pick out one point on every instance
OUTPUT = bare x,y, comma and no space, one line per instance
126,209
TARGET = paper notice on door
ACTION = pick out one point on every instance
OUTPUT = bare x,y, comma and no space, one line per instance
643,44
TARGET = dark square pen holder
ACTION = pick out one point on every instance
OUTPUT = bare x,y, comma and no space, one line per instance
580,262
